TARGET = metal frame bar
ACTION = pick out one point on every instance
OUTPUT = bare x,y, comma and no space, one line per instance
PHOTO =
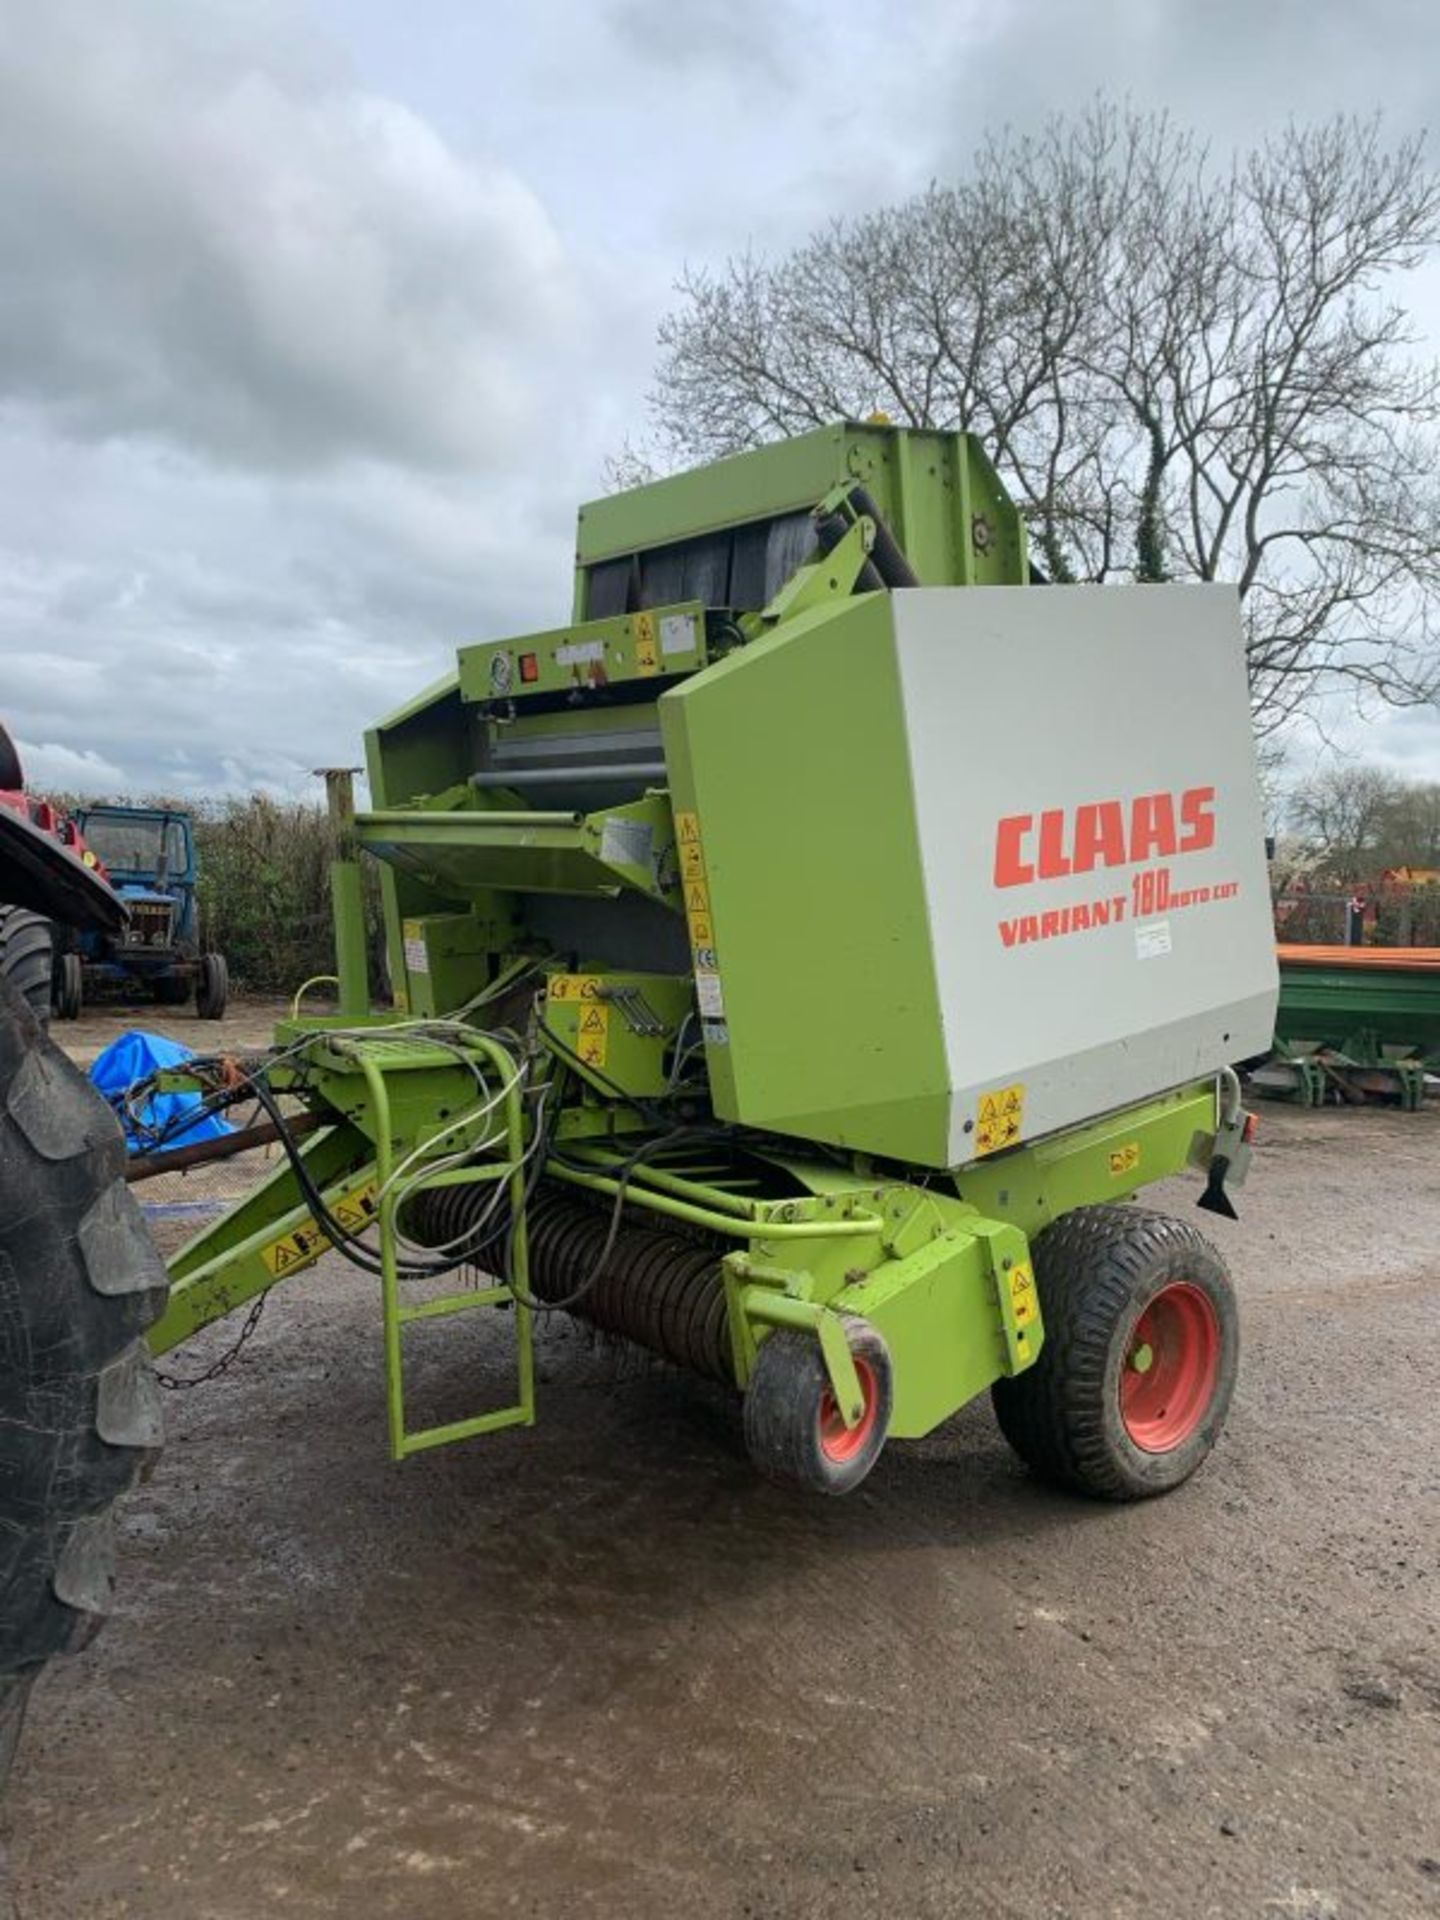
714,1219
397,1315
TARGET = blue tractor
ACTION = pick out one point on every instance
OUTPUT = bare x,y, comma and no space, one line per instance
149,855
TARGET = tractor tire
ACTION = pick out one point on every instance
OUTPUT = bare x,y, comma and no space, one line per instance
27,957
80,1283
213,990
1141,1351
68,988
793,1428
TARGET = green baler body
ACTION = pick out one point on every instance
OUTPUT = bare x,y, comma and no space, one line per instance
830,1002
940,497
692,816
816,695
937,492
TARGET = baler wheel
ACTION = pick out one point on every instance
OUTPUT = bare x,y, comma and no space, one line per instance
80,1282
1142,1346
794,1430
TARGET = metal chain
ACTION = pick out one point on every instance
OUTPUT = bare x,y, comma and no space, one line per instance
177,1383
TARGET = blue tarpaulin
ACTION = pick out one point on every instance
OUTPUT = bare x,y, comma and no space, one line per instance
135,1056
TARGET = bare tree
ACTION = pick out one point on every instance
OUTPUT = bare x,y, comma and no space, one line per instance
1184,368
1344,819
1411,834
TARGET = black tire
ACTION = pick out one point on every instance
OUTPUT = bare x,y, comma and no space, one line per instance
213,990
80,1282
1099,1271
68,993
27,957
12,777
792,1427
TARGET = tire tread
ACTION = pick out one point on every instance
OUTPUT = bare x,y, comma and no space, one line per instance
27,957
1089,1266
72,1353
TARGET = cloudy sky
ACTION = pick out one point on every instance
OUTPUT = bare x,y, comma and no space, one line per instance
317,319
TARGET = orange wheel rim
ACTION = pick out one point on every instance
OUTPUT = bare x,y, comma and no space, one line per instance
837,1441
1172,1363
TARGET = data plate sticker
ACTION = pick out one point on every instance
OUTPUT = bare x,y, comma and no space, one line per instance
627,843
1152,939
677,633
417,954
580,653
710,995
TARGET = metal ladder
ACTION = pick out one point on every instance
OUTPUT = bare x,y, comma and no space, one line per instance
375,1059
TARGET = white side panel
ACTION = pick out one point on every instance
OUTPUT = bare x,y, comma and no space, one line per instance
1092,843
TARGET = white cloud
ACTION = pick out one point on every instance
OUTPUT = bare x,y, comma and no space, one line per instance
52,767
318,319
1401,740
274,361
255,260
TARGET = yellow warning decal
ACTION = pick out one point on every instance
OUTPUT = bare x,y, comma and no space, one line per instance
1001,1119
1023,1301
592,1045
1125,1159
356,1210
297,1249
697,896
692,860
647,659
697,912
574,986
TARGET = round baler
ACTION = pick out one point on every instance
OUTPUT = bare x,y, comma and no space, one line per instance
802,957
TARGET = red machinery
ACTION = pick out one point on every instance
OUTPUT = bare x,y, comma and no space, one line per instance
48,848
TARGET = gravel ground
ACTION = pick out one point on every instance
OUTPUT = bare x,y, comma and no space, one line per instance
247,1023
599,1668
